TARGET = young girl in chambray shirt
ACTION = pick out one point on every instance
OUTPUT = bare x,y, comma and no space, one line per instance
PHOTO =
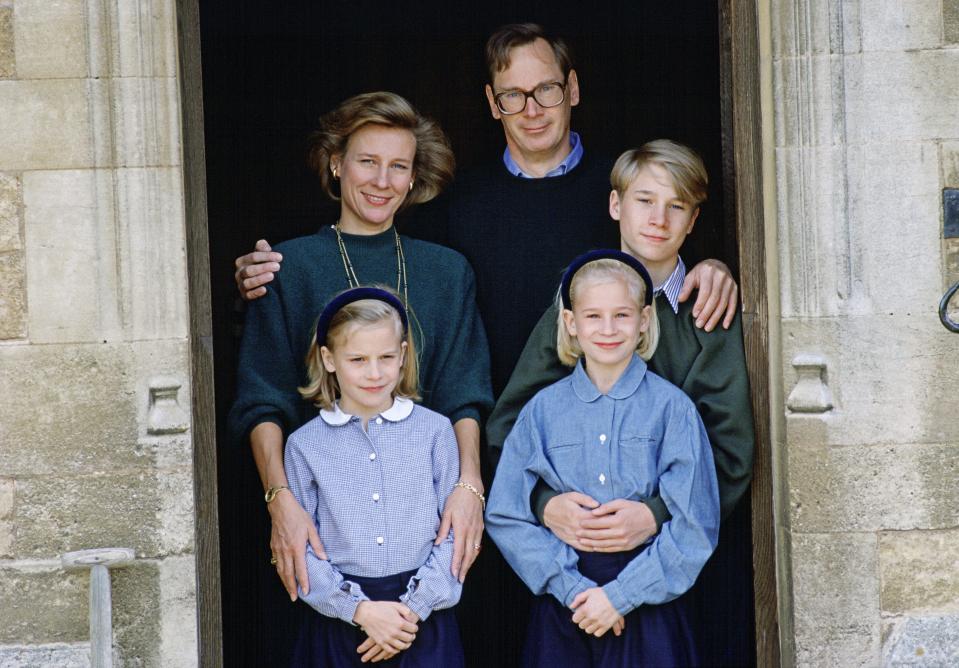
610,430
374,470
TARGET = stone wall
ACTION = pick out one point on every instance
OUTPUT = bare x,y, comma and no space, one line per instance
867,135
95,449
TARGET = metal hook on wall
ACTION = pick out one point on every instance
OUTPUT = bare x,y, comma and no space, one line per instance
948,322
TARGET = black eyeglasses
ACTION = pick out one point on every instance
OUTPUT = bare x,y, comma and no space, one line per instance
549,94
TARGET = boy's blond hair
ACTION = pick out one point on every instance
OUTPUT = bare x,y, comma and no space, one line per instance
323,388
684,166
604,271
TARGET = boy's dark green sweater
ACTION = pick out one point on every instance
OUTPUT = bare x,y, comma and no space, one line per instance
710,367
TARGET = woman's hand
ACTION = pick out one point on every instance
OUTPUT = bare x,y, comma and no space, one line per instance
718,294
390,627
292,529
464,512
594,613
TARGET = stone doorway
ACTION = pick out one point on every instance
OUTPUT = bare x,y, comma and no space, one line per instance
268,72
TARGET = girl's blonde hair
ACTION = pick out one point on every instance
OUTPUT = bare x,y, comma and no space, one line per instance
604,271
323,388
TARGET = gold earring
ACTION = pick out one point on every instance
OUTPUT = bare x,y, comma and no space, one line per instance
411,185
335,172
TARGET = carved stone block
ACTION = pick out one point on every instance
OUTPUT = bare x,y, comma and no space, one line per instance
811,393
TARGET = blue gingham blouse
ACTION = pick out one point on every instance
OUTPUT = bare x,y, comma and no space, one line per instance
376,497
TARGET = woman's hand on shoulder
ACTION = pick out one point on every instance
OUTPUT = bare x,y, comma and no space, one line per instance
390,626
292,529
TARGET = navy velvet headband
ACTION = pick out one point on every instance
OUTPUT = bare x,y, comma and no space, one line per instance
604,254
355,295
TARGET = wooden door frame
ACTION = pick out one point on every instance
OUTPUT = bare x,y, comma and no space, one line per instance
206,519
742,171
743,197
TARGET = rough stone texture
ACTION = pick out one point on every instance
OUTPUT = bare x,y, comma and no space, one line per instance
7,538
175,517
44,125
50,38
950,21
902,95
146,40
893,25
112,509
836,597
138,600
921,641
136,287
950,162
881,189
7,489
81,424
13,298
147,130
43,605
7,53
10,203
153,265
178,628
51,655
886,375
919,571
69,278
872,488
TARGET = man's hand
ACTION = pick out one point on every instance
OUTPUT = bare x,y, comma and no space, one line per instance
718,294
292,529
464,512
391,628
594,613
254,270
564,515
617,526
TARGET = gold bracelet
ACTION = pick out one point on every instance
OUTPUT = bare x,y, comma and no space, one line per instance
272,492
465,485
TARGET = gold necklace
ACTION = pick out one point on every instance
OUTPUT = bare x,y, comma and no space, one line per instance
354,282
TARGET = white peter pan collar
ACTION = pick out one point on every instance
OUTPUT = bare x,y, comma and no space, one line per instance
400,410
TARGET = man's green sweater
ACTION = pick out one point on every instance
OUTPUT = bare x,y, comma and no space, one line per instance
710,367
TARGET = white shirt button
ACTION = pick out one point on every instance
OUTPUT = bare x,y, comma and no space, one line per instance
602,438
376,496
379,420
379,540
372,456
602,478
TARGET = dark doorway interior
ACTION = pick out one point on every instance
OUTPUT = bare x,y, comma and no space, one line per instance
646,69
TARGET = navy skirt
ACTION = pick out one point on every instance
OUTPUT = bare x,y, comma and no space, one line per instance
327,642
655,635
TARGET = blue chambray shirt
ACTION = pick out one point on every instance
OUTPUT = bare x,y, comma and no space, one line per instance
569,162
641,438
376,497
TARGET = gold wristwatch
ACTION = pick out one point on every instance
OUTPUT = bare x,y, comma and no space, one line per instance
273,491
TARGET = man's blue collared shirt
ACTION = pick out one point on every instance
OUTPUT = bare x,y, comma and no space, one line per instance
573,159
376,497
641,438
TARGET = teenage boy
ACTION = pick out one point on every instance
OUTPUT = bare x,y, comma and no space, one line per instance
656,197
